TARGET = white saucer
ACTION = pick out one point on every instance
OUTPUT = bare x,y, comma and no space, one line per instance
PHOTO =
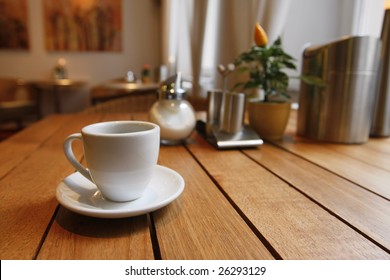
79,195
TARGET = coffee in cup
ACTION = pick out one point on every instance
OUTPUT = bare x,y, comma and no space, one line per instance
120,155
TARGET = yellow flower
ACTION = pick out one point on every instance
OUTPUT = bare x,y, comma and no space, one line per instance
260,36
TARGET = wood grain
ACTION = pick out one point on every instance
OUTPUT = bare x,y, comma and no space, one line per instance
78,237
201,224
373,153
293,224
366,164
27,192
362,209
21,145
362,173
292,199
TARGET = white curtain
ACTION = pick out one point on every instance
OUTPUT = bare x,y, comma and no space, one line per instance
367,17
198,35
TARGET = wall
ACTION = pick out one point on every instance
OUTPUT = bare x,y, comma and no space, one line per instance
314,21
141,44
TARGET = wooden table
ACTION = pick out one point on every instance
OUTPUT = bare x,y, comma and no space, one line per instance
291,199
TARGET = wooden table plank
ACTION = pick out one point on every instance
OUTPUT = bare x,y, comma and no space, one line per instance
77,237
19,146
74,236
27,194
365,164
381,144
363,210
365,174
368,153
201,224
292,223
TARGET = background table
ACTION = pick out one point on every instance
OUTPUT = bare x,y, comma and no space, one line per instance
291,199
55,86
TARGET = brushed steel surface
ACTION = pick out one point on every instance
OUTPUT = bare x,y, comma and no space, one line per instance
214,98
232,112
381,119
342,110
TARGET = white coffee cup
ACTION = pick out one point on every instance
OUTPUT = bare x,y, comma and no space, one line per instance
121,156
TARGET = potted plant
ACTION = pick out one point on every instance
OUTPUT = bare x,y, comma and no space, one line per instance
265,65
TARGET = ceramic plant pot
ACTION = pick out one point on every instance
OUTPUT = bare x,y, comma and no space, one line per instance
269,119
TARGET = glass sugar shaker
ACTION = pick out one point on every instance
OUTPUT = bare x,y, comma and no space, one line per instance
172,112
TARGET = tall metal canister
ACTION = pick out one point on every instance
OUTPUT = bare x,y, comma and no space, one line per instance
381,118
342,110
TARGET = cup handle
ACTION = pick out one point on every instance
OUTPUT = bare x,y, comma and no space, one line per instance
72,159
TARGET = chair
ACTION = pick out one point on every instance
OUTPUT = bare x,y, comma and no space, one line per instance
133,103
17,102
119,88
137,103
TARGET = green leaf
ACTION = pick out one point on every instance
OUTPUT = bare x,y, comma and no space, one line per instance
265,66
313,80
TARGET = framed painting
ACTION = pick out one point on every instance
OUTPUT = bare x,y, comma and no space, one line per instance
83,25
13,25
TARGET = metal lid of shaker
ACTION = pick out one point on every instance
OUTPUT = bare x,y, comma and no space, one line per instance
171,88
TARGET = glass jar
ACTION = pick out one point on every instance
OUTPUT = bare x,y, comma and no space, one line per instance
174,114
